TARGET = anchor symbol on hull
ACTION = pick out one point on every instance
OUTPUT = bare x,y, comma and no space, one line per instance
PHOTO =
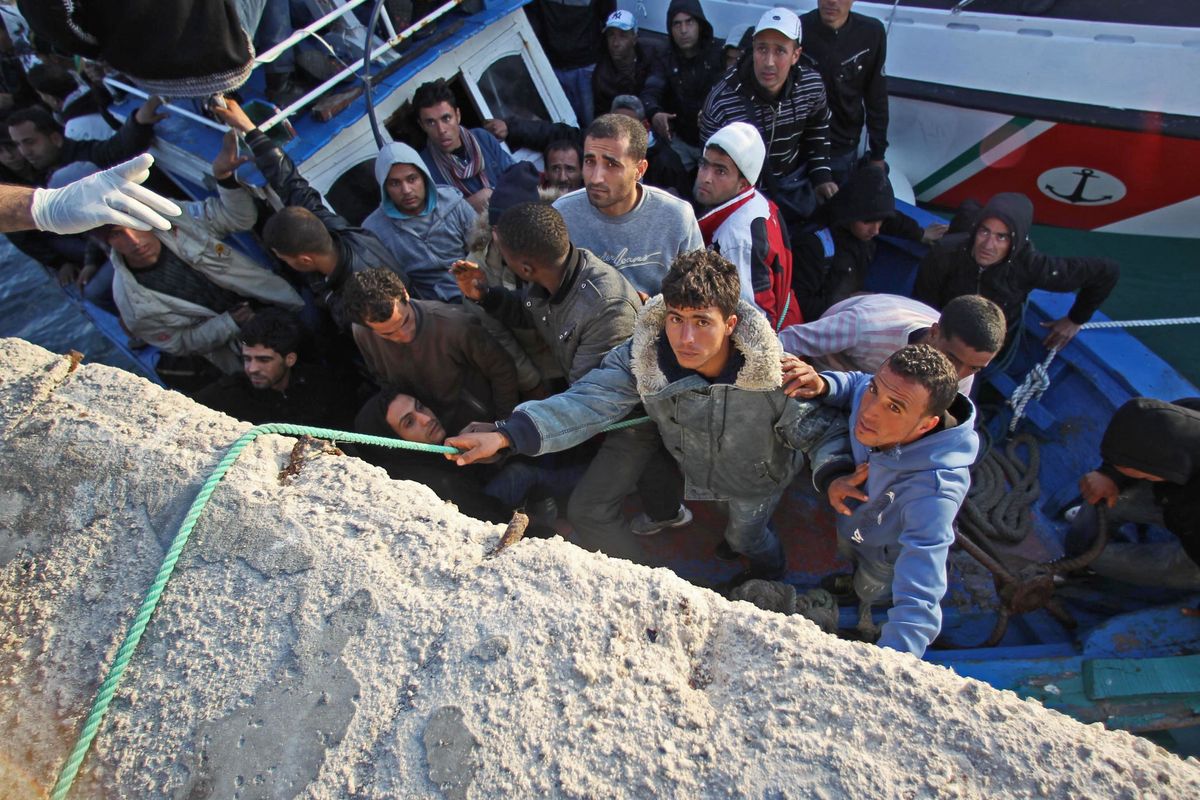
1076,196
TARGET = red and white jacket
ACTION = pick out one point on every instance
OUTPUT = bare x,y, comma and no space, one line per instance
747,230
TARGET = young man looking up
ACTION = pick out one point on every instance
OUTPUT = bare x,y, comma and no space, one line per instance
637,229
468,159
705,364
273,385
913,439
743,225
582,308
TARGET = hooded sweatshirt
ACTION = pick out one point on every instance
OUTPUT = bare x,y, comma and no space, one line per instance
1161,439
949,270
915,492
426,244
681,83
831,263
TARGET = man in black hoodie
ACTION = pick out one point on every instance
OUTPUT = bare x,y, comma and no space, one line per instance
850,50
674,94
1150,474
831,263
998,261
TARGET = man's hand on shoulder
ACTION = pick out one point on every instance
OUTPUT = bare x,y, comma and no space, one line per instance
800,379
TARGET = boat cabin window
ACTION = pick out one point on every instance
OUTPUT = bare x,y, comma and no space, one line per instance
509,90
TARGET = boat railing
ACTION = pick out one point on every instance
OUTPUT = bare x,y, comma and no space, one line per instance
382,51
384,48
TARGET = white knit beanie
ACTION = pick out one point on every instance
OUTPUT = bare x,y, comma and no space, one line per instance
742,142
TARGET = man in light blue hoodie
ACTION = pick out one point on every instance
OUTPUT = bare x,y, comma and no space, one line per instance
425,226
913,440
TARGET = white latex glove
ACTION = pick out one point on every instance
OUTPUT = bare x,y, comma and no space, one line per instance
111,197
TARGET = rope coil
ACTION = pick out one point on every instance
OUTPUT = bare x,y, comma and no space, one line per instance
1038,380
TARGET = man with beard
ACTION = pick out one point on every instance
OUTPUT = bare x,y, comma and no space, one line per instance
273,385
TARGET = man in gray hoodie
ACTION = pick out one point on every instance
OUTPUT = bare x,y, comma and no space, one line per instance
425,226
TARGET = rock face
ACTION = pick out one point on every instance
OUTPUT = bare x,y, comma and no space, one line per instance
338,634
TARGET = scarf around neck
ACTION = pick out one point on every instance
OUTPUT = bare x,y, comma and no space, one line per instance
461,170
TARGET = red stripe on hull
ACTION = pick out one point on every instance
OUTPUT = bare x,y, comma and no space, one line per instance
1157,171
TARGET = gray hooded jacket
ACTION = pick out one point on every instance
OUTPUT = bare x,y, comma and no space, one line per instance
732,440
426,244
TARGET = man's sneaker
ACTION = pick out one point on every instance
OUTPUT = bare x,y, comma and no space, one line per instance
642,525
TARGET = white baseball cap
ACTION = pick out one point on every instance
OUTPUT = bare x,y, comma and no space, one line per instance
779,19
622,21
742,142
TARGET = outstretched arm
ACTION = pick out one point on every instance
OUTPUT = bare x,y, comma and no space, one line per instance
111,197
276,166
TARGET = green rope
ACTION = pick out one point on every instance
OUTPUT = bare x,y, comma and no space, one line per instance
70,769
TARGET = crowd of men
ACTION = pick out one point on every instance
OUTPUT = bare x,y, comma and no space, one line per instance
695,251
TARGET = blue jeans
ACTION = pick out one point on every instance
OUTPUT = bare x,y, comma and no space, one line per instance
749,531
520,476
275,25
577,83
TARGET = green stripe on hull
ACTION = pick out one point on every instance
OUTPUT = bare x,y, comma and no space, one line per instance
972,153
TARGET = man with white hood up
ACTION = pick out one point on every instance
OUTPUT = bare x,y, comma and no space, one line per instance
425,226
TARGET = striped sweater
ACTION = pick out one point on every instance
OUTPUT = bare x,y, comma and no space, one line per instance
794,126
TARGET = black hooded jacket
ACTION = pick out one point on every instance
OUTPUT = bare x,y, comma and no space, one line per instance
1162,439
679,85
830,263
949,270
850,60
